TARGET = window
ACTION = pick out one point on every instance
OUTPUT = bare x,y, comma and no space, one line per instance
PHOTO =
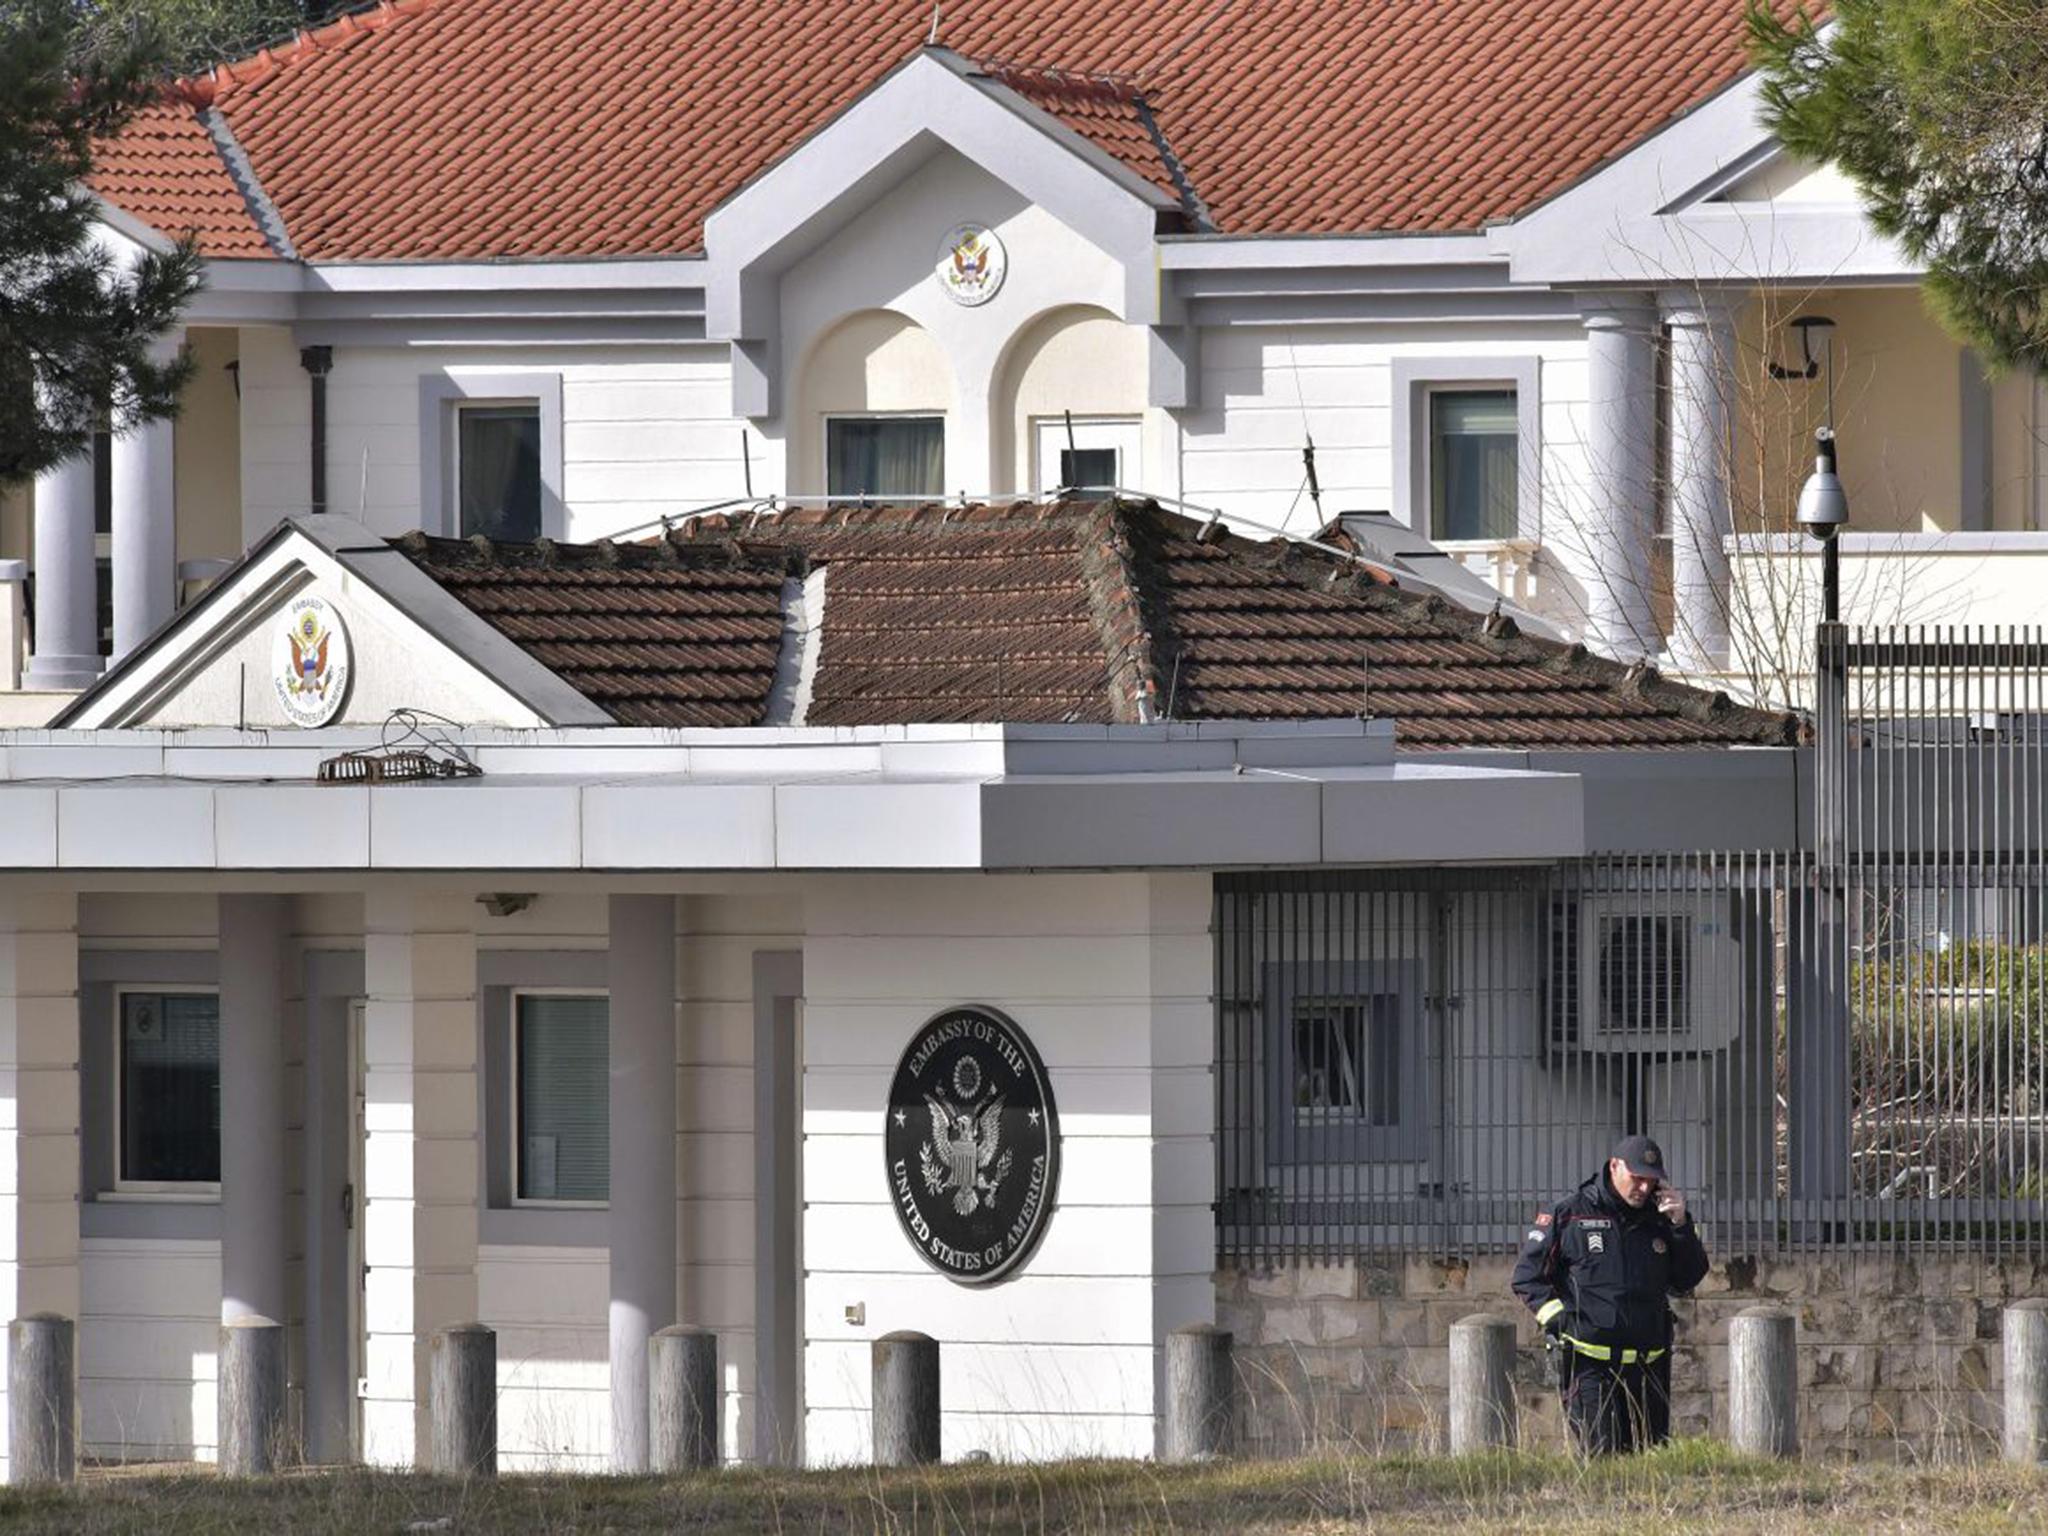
893,457
1472,453
491,455
562,1089
169,1075
1468,446
1343,1062
1347,1060
1097,453
498,471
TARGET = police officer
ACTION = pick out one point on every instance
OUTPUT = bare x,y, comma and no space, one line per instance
1598,1269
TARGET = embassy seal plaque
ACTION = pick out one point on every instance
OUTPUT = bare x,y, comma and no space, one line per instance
973,1144
310,663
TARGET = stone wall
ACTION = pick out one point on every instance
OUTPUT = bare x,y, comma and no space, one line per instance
1898,1358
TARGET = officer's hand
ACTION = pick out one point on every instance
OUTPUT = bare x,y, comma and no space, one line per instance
1671,1204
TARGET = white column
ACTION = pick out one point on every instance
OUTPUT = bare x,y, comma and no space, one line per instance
253,957
1702,381
1617,522
642,984
421,1155
144,533
66,637
39,1175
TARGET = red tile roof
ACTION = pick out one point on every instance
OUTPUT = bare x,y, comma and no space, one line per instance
165,170
1060,611
478,128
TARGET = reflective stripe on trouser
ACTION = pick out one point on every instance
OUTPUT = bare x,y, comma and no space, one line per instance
1609,1353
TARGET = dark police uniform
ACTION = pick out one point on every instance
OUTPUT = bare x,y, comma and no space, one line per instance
1599,1273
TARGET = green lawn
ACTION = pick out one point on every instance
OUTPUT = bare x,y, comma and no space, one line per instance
1689,1487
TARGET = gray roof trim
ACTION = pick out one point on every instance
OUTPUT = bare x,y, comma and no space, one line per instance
391,574
243,174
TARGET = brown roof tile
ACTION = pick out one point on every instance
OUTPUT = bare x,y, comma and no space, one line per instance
656,636
1064,611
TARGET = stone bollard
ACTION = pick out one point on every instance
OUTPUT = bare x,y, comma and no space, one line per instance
252,1397
1482,1384
2026,1381
906,1400
463,1400
1201,1393
1763,1381
682,1387
41,1400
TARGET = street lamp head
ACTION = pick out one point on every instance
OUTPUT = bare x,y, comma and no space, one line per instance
1823,505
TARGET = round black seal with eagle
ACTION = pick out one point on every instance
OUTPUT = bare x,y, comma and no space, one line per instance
973,1144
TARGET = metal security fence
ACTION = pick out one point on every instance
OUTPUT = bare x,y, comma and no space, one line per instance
1415,1060
1931,811
1838,1045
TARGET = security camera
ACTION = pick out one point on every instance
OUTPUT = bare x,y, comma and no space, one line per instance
1823,507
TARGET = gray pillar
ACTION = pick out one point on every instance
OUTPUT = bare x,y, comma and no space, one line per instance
1482,1384
683,1399
1201,1394
642,976
462,1393
42,1403
1615,539
1763,1381
144,542
252,1397
253,932
906,1400
1702,451
2026,1381
66,630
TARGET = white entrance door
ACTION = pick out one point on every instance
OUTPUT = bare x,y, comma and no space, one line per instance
1102,453
352,1209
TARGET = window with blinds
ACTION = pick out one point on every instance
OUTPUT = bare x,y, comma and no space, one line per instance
1472,475
170,1088
562,1057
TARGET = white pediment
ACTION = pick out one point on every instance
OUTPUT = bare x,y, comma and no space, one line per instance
379,634
936,109
1710,198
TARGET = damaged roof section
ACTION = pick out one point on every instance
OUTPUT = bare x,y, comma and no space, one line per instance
1087,612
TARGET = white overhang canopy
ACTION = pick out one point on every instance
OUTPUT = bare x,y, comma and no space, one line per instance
973,797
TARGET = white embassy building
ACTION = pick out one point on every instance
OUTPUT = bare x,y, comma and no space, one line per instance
376,1058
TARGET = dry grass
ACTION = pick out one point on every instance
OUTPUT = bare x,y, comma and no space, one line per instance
1687,1487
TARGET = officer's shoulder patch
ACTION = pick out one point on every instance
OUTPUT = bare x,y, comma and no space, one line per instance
1535,1234
1543,1218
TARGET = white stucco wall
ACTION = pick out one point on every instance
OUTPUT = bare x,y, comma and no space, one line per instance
883,259
1110,977
646,431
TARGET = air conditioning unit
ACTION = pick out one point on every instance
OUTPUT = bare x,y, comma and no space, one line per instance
1644,973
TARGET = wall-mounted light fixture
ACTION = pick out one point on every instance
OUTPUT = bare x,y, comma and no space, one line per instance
1816,348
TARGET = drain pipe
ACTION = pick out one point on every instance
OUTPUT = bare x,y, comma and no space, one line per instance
318,363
